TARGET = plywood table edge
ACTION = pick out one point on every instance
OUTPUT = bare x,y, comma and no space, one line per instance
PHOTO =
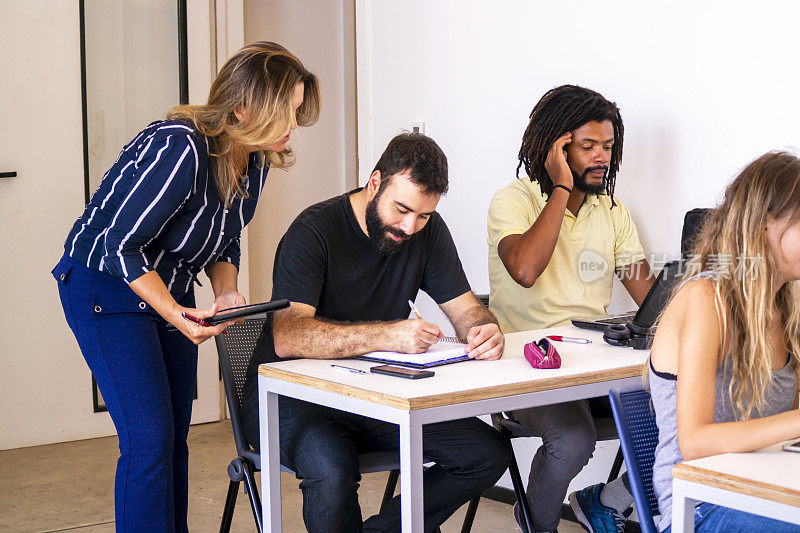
438,400
336,387
741,485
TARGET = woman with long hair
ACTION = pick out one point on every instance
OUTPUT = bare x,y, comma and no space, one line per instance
723,371
172,205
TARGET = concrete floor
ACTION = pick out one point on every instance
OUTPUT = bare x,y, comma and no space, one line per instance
70,487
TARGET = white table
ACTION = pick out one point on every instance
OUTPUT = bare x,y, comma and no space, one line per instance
765,482
456,391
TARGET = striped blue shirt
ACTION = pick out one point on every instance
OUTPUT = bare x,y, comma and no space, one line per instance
158,208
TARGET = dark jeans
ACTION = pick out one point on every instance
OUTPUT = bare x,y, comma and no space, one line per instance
709,518
322,445
568,437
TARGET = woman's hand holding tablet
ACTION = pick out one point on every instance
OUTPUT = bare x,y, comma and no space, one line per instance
233,313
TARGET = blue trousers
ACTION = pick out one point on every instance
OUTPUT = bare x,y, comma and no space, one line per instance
322,445
709,518
146,375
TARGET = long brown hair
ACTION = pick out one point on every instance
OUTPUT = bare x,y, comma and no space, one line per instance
767,187
261,79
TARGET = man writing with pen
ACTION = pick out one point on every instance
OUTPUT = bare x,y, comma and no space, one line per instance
348,265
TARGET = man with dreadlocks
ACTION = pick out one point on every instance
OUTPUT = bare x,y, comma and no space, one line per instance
555,237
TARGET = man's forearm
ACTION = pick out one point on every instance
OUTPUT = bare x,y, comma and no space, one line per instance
313,338
476,315
475,323
526,256
637,278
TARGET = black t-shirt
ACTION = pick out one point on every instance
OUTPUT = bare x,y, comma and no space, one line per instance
327,261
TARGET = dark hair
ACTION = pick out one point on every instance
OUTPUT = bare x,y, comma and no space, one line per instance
561,110
420,156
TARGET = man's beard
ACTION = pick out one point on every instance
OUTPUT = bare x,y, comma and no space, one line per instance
584,186
377,230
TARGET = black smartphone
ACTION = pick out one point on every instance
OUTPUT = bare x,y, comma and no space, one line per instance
400,372
247,310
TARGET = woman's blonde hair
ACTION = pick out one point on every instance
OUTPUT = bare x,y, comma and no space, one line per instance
733,244
258,80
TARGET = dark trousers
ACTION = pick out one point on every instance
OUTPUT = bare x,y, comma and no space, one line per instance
146,375
322,445
568,439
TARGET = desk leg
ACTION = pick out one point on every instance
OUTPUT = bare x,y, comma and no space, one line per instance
411,497
682,508
270,457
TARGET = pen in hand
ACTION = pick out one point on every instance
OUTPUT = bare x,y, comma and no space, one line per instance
414,308
192,318
198,321
454,340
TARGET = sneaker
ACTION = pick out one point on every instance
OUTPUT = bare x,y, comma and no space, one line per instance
593,515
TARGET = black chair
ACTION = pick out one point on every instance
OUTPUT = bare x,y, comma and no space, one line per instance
235,349
511,429
692,222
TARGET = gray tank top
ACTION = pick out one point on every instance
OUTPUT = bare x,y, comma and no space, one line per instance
778,397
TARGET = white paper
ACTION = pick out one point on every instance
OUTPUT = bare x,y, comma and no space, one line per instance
440,351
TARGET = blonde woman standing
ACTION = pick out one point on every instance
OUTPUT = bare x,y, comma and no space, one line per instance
172,205
723,368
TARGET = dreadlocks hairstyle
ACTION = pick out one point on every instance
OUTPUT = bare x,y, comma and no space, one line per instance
562,110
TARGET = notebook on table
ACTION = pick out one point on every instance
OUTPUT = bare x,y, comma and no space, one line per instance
442,353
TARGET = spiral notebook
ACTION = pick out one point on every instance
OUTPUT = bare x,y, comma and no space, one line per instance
448,350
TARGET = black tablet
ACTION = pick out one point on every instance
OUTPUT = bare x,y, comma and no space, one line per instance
247,310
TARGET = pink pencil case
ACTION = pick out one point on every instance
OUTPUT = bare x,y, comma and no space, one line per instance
542,354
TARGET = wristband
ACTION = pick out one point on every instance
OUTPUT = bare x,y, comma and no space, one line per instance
569,191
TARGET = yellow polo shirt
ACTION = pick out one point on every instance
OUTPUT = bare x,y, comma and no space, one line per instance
578,278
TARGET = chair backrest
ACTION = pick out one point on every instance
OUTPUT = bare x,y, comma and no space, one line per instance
638,437
235,349
692,222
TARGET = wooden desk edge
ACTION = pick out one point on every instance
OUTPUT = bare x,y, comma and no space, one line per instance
438,400
741,485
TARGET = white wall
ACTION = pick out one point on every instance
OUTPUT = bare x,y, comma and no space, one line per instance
45,386
210,33
704,87
321,35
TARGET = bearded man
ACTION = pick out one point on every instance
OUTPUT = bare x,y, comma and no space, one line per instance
556,238
348,266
